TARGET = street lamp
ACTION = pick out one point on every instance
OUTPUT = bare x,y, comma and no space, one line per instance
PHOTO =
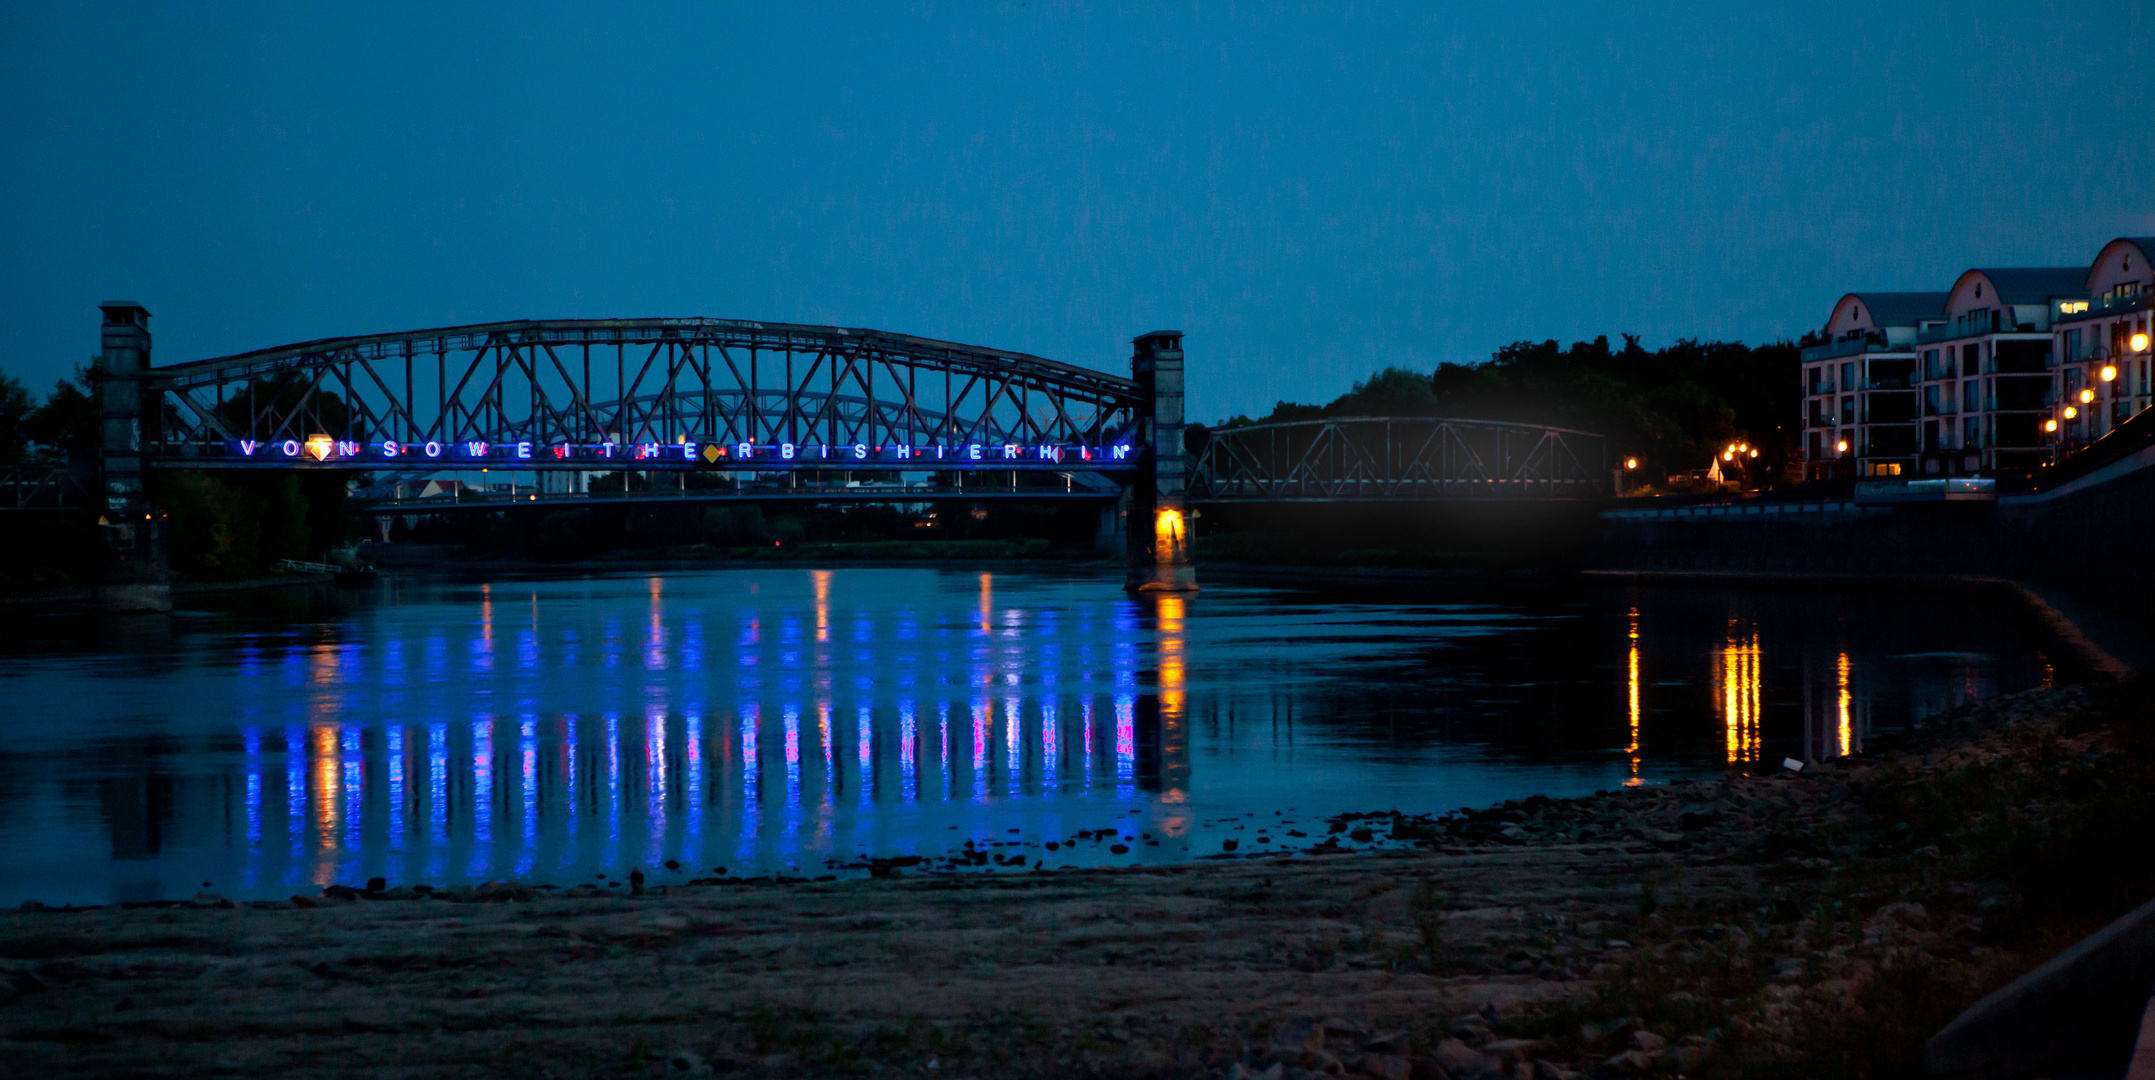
2087,396
2050,425
2140,343
1631,463
2071,412
1841,447
2110,372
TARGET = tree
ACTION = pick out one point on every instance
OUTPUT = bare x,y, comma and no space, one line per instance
14,413
68,424
1674,407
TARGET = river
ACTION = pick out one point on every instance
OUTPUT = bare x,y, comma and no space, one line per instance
563,730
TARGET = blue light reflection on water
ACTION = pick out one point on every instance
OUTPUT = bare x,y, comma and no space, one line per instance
782,719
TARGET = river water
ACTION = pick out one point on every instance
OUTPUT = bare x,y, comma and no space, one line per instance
552,730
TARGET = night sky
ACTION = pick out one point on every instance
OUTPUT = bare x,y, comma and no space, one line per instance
1308,191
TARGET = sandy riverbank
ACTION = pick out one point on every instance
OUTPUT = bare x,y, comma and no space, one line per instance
1742,926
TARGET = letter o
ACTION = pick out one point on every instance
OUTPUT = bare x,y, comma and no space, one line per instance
433,449
291,448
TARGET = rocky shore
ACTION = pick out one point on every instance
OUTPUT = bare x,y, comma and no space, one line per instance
1814,923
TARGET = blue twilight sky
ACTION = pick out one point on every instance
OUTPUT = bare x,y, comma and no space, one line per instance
1308,191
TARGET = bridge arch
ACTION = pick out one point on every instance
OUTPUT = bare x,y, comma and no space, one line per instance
715,382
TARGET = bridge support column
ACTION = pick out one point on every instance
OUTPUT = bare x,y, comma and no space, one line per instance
131,572
1159,526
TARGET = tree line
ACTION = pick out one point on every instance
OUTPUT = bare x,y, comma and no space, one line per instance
1672,408
61,428
221,525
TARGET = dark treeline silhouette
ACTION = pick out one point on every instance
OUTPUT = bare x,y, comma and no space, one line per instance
1673,408
62,428
220,525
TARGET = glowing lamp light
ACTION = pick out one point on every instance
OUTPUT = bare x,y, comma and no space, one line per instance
319,446
2050,425
2087,396
2110,372
1754,453
1728,455
1841,447
2140,342
1631,463
2071,412
1167,527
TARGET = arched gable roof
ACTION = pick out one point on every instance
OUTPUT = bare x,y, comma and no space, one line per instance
1990,287
2126,258
1868,310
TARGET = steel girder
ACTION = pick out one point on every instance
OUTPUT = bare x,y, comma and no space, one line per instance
712,381
46,487
1379,458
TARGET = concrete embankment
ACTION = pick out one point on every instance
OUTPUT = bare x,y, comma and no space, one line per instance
2066,553
1812,923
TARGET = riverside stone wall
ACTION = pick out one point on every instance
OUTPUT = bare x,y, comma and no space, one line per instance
2086,543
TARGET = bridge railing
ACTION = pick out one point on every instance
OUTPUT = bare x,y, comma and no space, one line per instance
1378,458
416,495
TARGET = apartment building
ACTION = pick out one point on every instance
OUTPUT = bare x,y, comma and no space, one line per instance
2006,372
1859,404
2101,344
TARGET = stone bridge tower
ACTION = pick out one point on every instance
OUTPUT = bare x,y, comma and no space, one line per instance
1160,522
131,573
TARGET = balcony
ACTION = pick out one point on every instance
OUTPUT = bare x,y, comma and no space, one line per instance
1960,331
2103,307
1833,350
1899,409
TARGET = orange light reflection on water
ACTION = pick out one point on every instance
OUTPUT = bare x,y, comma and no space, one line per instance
1632,690
1846,729
1739,676
822,579
1174,739
325,758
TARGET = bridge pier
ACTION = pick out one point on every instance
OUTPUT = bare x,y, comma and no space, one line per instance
1159,526
132,574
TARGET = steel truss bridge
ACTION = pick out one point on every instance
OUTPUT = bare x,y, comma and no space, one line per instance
715,409
786,410
1397,459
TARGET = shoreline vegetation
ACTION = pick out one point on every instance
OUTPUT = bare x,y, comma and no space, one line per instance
1822,922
